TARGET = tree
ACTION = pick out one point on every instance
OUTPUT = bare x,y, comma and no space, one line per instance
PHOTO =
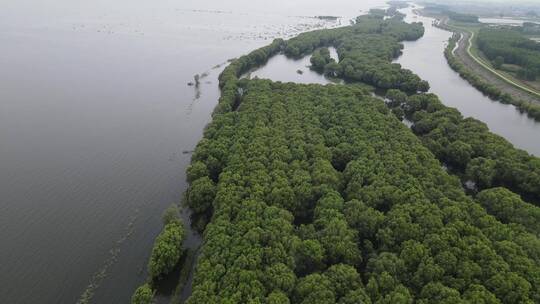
357,296
279,230
479,294
498,62
481,171
458,153
167,250
277,297
362,218
143,295
437,293
332,69
314,289
527,74
396,98
343,279
196,170
280,277
400,295
510,287
508,207
171,214
201,194
323,174
309,256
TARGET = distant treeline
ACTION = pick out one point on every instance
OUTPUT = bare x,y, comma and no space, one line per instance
365,52
462,17
508,45
532,109
530,28
453,15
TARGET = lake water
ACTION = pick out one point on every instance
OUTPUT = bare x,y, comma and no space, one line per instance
95,120
281,68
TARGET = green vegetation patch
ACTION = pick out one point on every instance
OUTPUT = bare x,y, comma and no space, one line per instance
319,194
468,146
510,46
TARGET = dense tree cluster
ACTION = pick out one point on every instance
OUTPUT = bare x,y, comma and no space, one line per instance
530,28
508,207
324,197
365,51
461,17
513,47
468,146
166,254
143,295
318,194
167,249
228,79
532,109
322,62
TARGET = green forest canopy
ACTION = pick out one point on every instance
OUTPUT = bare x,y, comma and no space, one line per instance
319,194
510,46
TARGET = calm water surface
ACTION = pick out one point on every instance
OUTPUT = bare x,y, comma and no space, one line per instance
281,68
95,116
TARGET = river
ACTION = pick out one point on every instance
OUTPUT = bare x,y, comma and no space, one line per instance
425,57
96,125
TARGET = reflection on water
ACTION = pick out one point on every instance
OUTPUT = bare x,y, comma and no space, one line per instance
425,57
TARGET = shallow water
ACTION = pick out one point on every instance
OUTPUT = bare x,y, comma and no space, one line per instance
95,117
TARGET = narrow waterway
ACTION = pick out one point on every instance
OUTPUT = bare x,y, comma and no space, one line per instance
425,57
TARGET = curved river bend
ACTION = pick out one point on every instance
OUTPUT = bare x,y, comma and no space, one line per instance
425,57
